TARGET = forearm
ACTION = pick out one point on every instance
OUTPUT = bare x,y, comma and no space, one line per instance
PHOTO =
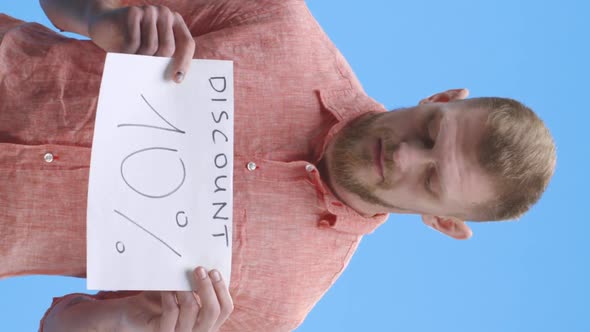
74,15
80,313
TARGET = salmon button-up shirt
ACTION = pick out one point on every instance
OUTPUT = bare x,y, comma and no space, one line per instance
294,91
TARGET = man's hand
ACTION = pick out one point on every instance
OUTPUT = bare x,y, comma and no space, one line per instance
146,30
203,310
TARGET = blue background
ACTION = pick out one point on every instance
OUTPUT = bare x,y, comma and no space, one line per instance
528,275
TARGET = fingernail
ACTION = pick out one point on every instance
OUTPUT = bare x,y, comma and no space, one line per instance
179,77
201,273
215,275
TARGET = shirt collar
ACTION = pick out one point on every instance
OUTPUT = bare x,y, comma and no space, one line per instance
345,105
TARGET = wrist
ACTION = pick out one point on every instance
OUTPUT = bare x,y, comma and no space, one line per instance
81,312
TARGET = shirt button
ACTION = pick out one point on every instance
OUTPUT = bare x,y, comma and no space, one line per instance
251,166
309,168
48,157
328,220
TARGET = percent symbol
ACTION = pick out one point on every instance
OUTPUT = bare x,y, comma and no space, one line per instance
120,246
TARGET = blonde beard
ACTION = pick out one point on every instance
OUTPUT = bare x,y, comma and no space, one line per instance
345,161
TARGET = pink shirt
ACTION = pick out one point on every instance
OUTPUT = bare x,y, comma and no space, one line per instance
293,92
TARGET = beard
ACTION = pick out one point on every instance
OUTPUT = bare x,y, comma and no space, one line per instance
348,159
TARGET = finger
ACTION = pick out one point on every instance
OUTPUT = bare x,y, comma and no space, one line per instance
166,45
133,37
149,32
185,49
210,305
189,309
169,312
226,304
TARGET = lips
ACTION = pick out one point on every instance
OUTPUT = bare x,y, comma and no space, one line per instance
378,157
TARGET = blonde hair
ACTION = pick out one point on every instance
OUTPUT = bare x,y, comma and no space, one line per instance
518,152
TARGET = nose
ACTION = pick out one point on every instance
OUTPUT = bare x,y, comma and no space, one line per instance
412,156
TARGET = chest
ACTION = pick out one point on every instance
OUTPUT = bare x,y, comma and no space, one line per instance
284,260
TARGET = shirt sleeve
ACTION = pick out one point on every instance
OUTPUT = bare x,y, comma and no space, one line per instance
205,16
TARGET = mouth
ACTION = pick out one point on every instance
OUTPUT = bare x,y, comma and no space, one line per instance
378,158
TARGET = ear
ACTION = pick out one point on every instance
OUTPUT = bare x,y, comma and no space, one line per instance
444,97
452,227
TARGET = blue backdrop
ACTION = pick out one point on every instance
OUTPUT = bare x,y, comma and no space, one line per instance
528,275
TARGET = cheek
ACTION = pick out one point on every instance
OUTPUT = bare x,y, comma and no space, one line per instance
406,194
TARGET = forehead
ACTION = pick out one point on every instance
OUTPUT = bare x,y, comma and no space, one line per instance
466,183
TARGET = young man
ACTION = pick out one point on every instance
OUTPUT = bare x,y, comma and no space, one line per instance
318,164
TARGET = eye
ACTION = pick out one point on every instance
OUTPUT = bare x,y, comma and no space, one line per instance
429,179
431,131
433,126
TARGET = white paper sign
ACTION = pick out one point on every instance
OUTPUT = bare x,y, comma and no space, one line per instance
161,175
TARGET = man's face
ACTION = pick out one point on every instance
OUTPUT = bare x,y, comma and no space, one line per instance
416,160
